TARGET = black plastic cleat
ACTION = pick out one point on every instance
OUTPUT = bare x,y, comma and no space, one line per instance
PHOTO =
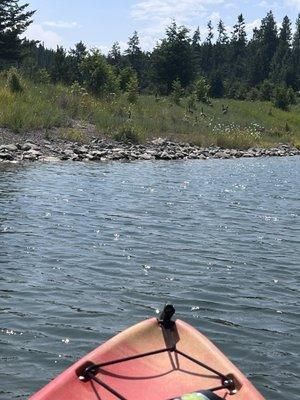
165,318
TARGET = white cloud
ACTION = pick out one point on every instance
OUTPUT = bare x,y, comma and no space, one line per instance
214,16
293,3
179,10
102,47
61,24
251,25
229,5
105,48
269,5
49,38
159,14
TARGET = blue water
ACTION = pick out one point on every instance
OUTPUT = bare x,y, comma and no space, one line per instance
87,250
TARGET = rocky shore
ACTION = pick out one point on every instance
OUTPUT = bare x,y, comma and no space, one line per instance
103,150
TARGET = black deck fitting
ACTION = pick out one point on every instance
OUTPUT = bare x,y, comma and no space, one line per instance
165,318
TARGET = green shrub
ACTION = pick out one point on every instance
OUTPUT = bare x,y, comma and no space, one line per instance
99,76
42,76
125,75
14,81
77,90
266,90
132,89
291,96
177,91
216,86
237,90
281,99
127,134
202,89
253,94
192,102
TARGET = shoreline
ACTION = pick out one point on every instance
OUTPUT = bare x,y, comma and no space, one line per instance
102,150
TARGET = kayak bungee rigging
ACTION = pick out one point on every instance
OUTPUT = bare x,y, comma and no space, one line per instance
157,359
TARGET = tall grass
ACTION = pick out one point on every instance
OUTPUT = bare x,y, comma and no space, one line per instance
246,124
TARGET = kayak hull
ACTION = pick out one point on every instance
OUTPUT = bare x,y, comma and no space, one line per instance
161,376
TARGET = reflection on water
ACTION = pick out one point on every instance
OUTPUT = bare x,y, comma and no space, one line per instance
87,250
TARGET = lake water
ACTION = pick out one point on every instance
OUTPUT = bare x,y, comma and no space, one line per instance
87,250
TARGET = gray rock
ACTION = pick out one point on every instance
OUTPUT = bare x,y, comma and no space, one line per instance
6,156
221,154
50,159
68,153
165,156
133,156
146,156
34,153
29,157
248,154
89,157
159,141
26,146
8,147
116,156
151,152
80,150
98,153
29,146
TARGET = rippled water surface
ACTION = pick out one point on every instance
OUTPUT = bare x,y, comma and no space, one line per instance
87,250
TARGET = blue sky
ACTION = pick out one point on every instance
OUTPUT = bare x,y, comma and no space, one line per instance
99,23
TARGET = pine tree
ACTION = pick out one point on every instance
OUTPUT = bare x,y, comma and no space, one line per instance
173,59
282,63
79,52
59,71
262,49
254,56
238,48
134,53
296,54
14,20
268,44
285,35
196,48
114,55
138,60
220,52
77,56
222,34
210,34
239,35
196,40
207,60
134,44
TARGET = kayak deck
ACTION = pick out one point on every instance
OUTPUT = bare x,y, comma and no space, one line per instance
150,362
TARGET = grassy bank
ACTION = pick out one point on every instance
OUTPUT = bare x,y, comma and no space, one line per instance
246,124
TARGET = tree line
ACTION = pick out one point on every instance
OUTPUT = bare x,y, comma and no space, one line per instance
226,63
